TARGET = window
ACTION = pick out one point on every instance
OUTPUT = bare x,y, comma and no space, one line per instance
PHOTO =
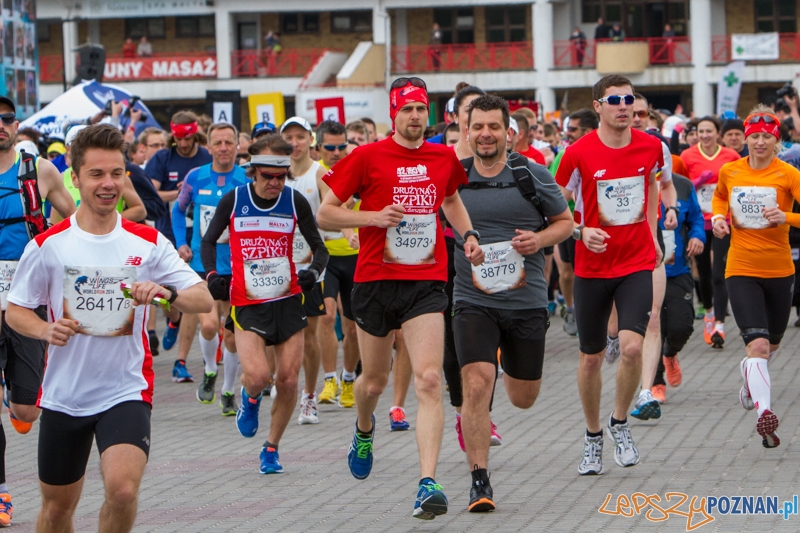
457,25
153,28
300,22
351,21
776,15
194,26
43,31
506,24
640,18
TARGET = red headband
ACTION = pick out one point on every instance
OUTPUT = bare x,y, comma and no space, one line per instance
773,128
180,131
404,95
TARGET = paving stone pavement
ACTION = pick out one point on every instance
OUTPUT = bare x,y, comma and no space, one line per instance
203,477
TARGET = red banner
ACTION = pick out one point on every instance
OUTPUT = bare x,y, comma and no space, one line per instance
160,68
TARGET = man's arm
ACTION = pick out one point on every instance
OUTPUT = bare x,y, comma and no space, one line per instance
135,210
332,217
669,197
458,218
195,299
27,323
652,214
51,187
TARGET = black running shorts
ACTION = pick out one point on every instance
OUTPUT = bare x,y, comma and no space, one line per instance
275,321
383,306
22,360
65,441
314,301
339,275
761,306
566,250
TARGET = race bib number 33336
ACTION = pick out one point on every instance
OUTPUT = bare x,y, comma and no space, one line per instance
267,279
93,298
621,201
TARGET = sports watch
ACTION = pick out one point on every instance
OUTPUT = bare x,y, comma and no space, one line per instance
173,291
472,233
577,233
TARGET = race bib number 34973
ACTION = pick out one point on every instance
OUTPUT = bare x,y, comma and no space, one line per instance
93,298
748,205
621,201
412,242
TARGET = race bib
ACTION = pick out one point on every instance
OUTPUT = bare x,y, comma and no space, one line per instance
704,196
748,205
301,251
620,202
7,270
93,298
267,279
412,242
206,214
669,246
503,269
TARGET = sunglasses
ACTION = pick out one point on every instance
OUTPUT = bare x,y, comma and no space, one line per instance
334,147
752,119
573,129
399,83
270,176
617,99
8,118
641,114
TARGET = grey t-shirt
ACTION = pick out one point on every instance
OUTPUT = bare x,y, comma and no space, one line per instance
496,213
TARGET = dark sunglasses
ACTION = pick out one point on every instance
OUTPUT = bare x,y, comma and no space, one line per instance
617,99
269,175
573,129
399,83
334,147
8,118
752,119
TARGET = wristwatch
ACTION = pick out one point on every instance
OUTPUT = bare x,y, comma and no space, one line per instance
472,233
173,291
674,208
577,233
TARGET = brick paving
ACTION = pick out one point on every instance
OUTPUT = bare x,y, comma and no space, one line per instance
203,477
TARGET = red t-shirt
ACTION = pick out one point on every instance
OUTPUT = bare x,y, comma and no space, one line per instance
536,155
622,176
385,173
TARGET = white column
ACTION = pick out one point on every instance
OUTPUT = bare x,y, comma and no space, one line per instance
700,30
94,31
379,16
224,37
542,13
69,32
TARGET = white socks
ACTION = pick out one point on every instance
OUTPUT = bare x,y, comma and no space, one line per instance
758,383
329,375
209,351
348,376
230,363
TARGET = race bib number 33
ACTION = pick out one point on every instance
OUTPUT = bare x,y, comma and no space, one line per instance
93,298
503,269
621,201
412,242
748,205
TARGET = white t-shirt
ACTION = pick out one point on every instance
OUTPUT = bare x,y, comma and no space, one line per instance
78,274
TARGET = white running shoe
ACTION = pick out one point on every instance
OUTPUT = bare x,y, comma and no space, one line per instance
308,410
612,349
592,462
744,393
625,452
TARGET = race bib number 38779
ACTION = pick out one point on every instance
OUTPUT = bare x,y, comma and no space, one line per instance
621,201
503,269
748,205
92,297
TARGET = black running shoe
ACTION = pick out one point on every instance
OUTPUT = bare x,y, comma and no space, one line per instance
480,495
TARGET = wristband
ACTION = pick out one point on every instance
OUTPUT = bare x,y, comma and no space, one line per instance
715,217
209,274
674,208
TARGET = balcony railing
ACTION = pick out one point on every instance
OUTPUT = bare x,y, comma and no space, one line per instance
262,63
462,57
662,51
788,48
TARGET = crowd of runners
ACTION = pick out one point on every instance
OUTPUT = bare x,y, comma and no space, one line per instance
425,254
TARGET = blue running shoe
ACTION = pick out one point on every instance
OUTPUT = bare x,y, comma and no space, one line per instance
551,308
170,336
359,458
647,407
397,419
247,417
180,374
431,501
269,461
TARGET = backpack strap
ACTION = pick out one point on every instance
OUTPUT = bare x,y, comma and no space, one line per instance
28,180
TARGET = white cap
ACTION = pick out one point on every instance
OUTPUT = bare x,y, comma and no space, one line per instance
300,121
72,133
512,123
27,146
669,125
450,107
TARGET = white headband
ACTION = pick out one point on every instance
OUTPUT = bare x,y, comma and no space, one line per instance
271,161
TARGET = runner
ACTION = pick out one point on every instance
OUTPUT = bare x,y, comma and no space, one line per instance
154,140
307,180
732,136
758,190
265,289
612,174
400,278
502,304
201,192
76,268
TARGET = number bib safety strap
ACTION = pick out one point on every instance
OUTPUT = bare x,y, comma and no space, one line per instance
7,270
412,242
503,269
669,246
621,201
267,279
704,196
748,205
93,297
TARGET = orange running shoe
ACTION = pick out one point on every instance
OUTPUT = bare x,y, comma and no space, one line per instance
673,370
659,393
22,428
6,510
708,328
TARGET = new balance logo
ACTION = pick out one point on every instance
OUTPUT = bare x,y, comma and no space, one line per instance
600,173
133,260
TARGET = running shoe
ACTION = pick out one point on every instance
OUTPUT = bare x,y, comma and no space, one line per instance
6,510
480,496
718,338
347,399
247,416
359,458
551,309
674,374
270,461
570,326
612,349
228,404
625,452
308,410
659,393
460,435
268,389
431,501
744,393
153,338
497,440
180,374
205,392
766,426
700,314
708,328
397,419
647,407
170,336
592,462
330,391
21,427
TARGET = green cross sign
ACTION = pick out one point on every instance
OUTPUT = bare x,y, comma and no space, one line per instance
739,50
731,79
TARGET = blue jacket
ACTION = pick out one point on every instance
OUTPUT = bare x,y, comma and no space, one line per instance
690,225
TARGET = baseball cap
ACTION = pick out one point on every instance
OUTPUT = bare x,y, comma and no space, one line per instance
300,121
73,132
57,147
7,101
262,128
27,146
512,123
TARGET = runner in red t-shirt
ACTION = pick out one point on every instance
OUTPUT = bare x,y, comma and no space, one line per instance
401,270
611,173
